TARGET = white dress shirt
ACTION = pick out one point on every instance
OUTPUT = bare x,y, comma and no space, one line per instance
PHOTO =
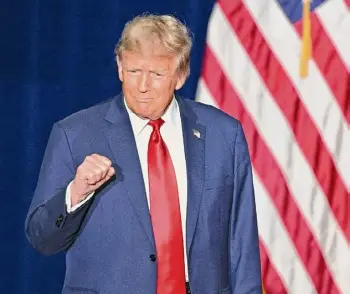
171,132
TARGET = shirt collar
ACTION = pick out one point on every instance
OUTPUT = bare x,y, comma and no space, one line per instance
169,117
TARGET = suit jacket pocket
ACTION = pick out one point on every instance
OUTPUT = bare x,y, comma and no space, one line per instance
215,183
78,290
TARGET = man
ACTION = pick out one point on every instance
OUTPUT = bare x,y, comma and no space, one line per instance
148,192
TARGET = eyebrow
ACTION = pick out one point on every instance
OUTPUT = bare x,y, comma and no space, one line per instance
159,70
155,70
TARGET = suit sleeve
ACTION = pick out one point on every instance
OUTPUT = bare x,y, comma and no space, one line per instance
245,268
48,226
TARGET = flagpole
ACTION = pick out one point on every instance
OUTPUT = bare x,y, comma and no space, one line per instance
306,45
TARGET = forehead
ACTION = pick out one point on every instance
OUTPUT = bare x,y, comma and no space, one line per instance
150,56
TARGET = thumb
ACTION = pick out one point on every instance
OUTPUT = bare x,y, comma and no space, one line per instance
111,172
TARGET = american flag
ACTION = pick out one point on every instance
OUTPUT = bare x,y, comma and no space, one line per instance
296,115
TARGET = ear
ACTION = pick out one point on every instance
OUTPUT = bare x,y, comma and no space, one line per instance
120,69
180,81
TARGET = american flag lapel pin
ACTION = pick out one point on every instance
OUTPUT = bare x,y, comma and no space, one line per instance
196,133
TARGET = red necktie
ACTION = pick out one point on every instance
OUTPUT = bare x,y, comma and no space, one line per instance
165,215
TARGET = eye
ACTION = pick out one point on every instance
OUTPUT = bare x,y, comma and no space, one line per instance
157,74
133,71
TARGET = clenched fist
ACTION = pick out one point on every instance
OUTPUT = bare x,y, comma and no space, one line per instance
91,174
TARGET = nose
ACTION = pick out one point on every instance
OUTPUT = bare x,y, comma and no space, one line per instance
144,82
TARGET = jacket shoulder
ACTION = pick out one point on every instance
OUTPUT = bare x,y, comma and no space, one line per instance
220,126
211,116
92,115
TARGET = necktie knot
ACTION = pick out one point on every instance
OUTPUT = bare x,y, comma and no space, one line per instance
156,124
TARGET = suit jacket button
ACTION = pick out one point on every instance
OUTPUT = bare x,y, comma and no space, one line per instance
59,221
152,257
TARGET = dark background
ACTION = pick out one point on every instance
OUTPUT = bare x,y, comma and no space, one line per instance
56,57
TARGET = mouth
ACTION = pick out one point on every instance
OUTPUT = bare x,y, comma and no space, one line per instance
143,100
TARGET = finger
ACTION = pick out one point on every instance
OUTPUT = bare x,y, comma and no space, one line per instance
111,172
100,183
90,172
93,159
106,179
85,172
92,177
98,163
100,158
96,175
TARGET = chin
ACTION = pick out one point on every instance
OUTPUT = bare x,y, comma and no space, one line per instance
143,113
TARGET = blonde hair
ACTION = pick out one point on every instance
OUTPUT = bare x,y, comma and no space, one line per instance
165,29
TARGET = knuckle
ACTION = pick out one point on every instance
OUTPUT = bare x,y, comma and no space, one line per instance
107,161
88,158
80,169
98,171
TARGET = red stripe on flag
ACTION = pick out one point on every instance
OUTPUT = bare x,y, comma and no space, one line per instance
271,280
347,2
275,183
286,97
329,62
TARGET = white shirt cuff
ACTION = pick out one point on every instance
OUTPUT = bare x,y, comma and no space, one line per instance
69,200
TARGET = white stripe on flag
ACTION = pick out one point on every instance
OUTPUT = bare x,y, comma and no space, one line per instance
278,244
203,95
278,136
313,91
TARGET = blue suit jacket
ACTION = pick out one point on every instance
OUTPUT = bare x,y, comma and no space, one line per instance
109,241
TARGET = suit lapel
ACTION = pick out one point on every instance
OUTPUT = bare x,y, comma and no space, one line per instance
122,143
194,141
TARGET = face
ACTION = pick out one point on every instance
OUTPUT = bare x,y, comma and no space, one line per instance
149,79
